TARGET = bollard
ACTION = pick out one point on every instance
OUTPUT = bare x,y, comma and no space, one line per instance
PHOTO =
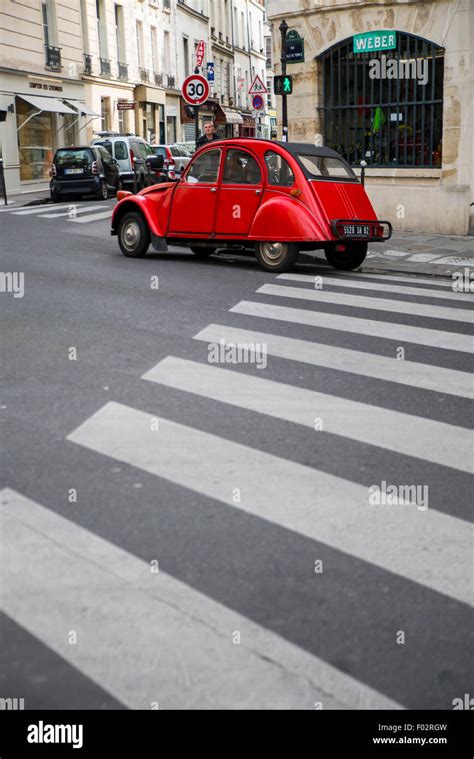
363,165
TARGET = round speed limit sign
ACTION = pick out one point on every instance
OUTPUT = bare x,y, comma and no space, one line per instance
195,89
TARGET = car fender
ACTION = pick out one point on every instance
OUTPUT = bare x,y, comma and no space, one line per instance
143,205
286,219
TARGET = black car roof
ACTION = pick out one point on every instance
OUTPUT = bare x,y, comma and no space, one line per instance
307,148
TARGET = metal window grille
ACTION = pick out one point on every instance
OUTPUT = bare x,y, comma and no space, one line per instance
388,122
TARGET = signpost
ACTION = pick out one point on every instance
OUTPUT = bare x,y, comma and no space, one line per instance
283,28
257,87
294,47
257,102
200,52
195,91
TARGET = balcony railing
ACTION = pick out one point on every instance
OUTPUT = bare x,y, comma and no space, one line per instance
144,75
158,80
105,66
87,64
171,82
53,57
123,71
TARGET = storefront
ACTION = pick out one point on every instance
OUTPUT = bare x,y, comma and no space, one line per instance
149,114
396,94
248,126
40,116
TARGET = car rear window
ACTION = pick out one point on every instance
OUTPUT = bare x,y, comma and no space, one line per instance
159,150
73,157
105,144
121,152
321,167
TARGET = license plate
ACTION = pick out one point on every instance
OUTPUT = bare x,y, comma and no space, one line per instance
357,230
74,171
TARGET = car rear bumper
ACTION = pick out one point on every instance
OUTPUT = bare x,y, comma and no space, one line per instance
75,186
368,230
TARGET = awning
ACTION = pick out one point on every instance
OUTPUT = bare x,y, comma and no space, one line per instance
81,108
47,104
232,117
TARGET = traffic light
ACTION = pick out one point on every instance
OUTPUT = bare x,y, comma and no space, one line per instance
283,85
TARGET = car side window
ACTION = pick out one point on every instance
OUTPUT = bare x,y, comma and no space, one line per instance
279,171
205,168
121,152
241,168
143,152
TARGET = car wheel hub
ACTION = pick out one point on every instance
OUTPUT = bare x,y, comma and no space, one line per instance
273,251
131,235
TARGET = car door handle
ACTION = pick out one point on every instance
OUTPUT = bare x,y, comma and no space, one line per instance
213,189
257,192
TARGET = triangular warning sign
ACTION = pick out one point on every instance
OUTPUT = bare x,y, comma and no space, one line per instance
257,87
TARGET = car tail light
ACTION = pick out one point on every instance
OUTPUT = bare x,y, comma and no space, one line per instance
52,171
132,157
95,168
378,231
172,175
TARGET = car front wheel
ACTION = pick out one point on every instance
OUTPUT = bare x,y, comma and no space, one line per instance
350,258
276,256
133,235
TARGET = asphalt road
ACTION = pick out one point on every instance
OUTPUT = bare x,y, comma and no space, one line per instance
204,537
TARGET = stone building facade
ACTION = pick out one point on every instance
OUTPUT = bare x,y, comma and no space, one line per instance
404,104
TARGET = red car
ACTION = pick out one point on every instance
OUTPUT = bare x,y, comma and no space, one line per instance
273,198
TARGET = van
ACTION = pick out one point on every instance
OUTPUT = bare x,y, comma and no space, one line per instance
130,152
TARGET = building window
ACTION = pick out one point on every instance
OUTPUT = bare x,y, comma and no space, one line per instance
166,52
102,28
170,129
186,56
384,107
268,52
154,49
35,141
105,114
139,33
120,33
44,9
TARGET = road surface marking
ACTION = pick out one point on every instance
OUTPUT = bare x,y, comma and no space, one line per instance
41,209
434,281
378,286
145,637
437,442
94,217
426,547
401,333
378,304
424,376
72,210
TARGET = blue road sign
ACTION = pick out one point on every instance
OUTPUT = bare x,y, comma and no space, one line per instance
210,71
257,102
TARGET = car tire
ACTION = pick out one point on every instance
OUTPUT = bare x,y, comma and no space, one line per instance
202,252
103,191
55,197
276,256
349,259
133,235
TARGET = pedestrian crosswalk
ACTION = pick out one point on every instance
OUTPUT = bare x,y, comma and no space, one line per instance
162,639
78,213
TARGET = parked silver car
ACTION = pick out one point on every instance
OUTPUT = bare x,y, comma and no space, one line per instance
175,157
129,151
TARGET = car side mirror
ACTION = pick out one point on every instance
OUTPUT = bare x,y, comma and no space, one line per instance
155,162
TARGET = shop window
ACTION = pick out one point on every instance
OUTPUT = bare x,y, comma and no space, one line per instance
35,142
384,107
170,129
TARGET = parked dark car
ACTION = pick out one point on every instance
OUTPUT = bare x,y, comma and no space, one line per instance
83,171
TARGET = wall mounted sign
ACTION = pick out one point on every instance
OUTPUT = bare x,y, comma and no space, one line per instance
369,42
294,47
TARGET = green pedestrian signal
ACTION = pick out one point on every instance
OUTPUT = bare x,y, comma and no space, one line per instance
283,85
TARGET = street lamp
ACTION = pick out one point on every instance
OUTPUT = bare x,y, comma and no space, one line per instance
284,111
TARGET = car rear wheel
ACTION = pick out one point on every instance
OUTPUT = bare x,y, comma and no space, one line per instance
102,192
133,235
276,256
202,252
350,258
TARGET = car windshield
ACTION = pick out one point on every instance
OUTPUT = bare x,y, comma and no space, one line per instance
76,157
324,166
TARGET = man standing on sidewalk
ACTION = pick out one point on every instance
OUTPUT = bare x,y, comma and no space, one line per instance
208,136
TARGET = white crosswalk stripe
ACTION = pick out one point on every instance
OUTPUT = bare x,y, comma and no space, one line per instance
378,304
38,210
401,333
425,376
358,421
312,503
93,217
415,280
186,635
71,213
424,292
